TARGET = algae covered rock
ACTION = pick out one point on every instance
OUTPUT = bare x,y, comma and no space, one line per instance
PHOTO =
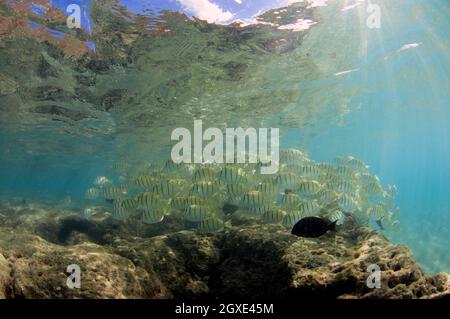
245,261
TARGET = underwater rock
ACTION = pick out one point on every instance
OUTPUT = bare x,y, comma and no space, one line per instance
182,260
5,278
39,271
245,261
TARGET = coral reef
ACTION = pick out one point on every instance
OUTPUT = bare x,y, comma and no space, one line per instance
162,261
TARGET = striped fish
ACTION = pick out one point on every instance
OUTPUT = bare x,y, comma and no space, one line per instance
92,193
231,174
330,178
327,168
309,187
196,213
292,156
358,165
205,190
150,201
346,172
290,200
347,203
119,213
291,218
267,188
153,216
130,203
310,171
395,226
337,216
253,199
145,181
345,187
309,208
211,225
274,216
87,213
377,212
179,203
205,173
111,193
342,160
165,188
288,180
260,210
236,190
326,196
120,166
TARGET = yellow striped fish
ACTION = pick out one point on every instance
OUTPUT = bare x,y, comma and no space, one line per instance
119,213
231,174
260,210
211,225
179,203
274,216
347,203
150,201
309,208
267,188
309,187
358,165
326,196
129,203
204,189
310,171
111,193
288,180
145,181
165,188
196,213
291,218
236,190
292,156
346,172
92,193
153,216
253,199
377,212
291,200
205,173
338,216
327,168
87,213
345,187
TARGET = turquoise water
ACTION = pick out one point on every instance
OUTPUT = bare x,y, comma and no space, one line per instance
392,111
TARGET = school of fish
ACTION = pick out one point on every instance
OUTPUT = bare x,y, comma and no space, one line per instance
198,193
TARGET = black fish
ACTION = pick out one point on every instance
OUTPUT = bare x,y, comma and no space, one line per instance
312,227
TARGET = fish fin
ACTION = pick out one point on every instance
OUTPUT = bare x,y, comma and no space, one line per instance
332,226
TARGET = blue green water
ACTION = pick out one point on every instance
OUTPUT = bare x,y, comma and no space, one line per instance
398,121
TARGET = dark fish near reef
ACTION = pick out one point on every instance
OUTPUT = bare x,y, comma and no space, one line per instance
312,227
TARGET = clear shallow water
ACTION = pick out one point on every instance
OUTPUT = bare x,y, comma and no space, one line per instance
392,112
